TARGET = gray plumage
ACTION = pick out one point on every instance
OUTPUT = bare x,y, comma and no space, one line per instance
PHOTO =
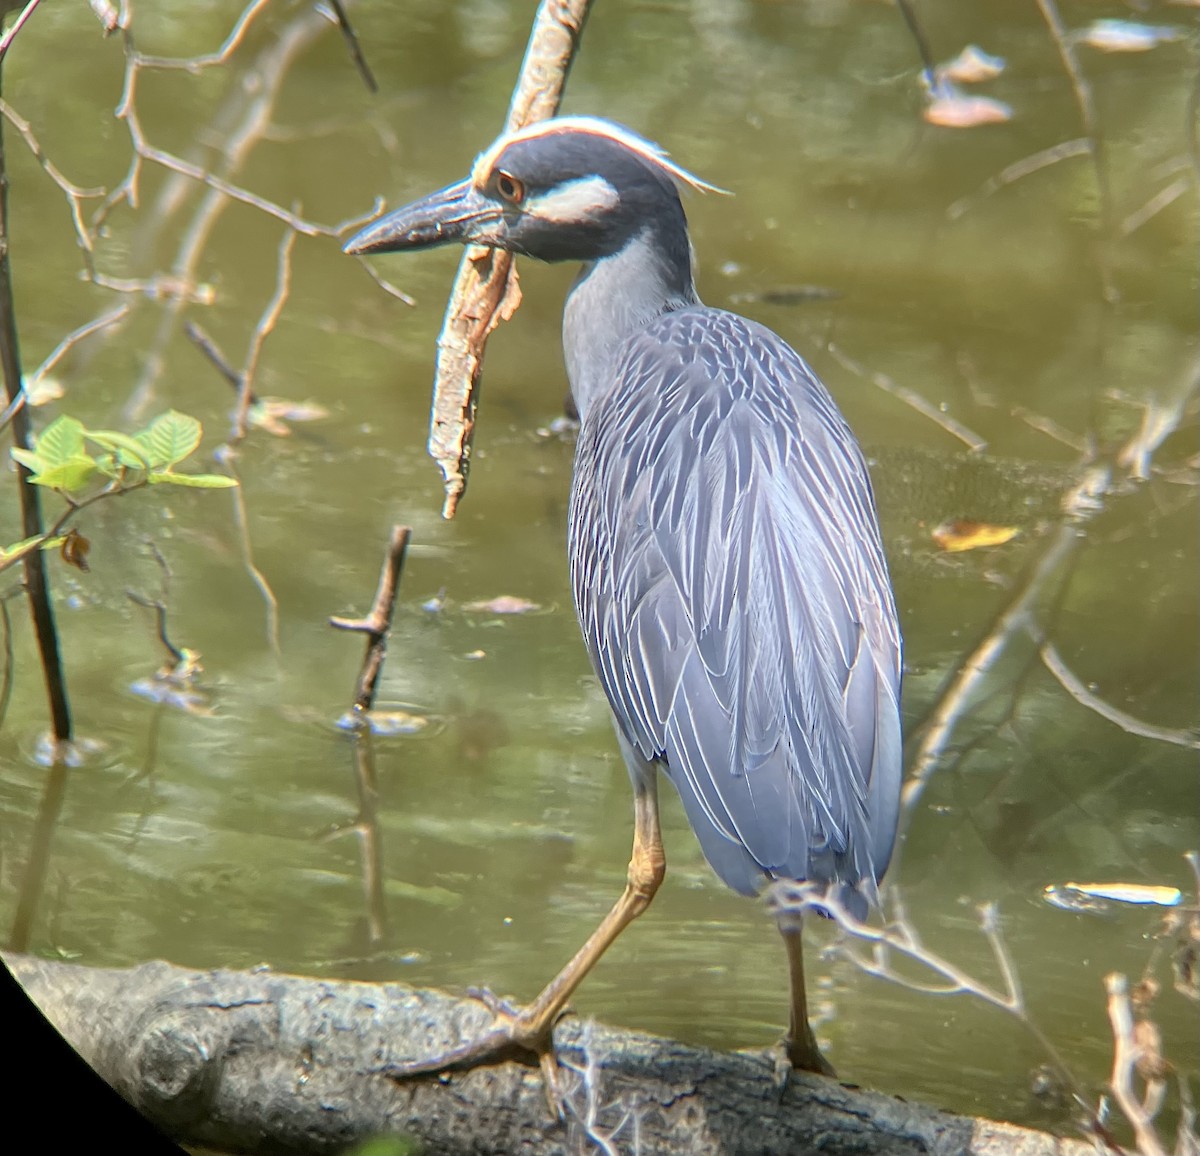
726,562
734,598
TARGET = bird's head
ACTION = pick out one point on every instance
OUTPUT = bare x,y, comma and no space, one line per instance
568,189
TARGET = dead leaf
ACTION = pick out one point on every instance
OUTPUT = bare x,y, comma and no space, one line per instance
75,549
957,110
1126,35
955,537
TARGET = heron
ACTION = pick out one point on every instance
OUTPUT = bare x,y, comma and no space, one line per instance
725,555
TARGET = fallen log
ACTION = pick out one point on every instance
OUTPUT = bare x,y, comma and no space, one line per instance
260,1062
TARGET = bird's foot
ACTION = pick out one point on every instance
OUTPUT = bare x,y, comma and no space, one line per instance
516,1033
791,1055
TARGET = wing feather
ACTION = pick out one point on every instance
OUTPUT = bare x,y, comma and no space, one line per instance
734,597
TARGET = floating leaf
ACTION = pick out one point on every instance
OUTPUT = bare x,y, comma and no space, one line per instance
271,414
171,438
1126,35
502,604
385,723
196,481
1136,893
955,537
971,66
953,109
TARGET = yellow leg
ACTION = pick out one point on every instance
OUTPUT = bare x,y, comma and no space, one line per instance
800,1043
529,1029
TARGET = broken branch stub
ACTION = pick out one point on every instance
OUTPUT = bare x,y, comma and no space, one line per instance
486,290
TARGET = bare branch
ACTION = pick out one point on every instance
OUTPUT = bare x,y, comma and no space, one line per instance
377,624
485,291
1126,1054
16,26
74,193
225,455
266,325
195,64
1074,686
1081,147
967,436
351,38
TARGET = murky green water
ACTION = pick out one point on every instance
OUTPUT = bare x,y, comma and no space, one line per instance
503,827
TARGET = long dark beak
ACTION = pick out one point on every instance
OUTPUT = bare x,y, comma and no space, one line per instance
452,214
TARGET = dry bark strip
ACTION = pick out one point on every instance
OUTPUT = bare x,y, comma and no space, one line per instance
486,290
259,1062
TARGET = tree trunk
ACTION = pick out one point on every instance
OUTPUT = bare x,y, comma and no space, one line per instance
259,1062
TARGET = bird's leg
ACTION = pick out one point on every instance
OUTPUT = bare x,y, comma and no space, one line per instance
529,1030
800,1044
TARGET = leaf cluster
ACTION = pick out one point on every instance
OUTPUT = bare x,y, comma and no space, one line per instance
60,460
72,459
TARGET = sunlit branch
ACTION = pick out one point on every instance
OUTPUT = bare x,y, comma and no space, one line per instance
195,64
910,397
16,26
1075,687
1126,1056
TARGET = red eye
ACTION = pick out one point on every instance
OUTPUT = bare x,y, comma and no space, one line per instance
509,189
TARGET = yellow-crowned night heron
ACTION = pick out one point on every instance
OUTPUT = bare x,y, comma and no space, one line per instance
725,556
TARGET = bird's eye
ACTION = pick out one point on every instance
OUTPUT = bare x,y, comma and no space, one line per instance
509,189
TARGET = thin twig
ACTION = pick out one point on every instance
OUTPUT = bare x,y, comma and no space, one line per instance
15,27
1081,147
485,291
225,456
1155,205
77,335
789,898
961,688
212,351
74,193
1126,1054
910,397
195,64
160,617
351,38
1091,128
379,621
266,325
1075,687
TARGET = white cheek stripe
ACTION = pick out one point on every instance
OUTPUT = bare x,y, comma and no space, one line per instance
573,203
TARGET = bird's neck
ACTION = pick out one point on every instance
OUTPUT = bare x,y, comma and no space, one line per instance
617,295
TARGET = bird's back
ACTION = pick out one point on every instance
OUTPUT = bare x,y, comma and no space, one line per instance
734,597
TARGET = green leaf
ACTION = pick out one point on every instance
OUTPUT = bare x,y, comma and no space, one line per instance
70,475
24,546
197,481
170,438
29,459
127,450
61,441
